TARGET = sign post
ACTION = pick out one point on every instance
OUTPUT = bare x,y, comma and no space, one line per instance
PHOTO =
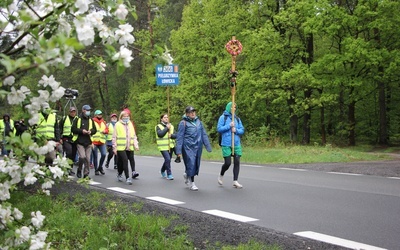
167,75
234,47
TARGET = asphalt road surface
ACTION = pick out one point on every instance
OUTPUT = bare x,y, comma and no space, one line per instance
346,209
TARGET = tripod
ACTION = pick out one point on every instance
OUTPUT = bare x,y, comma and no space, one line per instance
70,103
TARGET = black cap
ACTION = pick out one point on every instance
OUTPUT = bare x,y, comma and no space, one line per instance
189,109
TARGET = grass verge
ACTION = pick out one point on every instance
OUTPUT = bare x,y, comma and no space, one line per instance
93,221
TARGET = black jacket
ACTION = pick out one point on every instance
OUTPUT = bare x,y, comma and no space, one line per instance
84,140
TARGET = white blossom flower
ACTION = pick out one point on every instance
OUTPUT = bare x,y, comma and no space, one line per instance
17,214
106,35
37,219
121,12
34,119
10,80
124,54
56,171
16,97
23,233
96,18
101,67
30,179
57,94
5,191
5,215
49,81
85,31
46,192
123,34
48,184
64,26
82,5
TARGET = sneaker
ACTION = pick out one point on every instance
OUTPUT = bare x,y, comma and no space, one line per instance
79,174
185,177
119,178
163,175
135,174
115,167
102,172
237,184
97,173
129,181
193,187
220,180
170,177
106,165
178,159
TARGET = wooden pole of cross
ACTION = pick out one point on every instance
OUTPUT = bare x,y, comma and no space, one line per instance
234,47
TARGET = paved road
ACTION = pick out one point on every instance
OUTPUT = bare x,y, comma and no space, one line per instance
357,211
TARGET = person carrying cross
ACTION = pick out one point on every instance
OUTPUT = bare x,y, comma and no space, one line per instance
228,127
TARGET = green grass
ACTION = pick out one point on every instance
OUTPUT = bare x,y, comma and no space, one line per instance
90,221
292,154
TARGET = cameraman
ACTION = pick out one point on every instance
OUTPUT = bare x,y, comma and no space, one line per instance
69,146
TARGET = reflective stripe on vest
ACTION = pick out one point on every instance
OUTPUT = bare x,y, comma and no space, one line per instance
121,133
162,143
46,127
99,136
78,125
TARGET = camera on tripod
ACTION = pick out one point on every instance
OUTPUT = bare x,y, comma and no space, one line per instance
71,93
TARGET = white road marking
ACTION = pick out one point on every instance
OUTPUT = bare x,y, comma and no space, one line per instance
396,178
121,190
214,162
229,215
165,200
294,169
253,166
94,182
337,241
150,157
344,173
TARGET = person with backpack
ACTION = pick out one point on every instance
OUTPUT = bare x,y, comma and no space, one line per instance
190,139
83,128
226,128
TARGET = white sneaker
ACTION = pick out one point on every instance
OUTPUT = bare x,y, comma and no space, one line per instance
220,180
119,177
129,181
185,177
237,184
193,187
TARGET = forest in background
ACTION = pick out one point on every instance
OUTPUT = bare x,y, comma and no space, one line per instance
311,72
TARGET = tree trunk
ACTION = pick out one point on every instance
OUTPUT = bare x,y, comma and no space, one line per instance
383,132
306,120
352,123
293,121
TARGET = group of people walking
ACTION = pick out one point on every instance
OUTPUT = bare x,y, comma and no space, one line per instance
118,137
80,135
190,138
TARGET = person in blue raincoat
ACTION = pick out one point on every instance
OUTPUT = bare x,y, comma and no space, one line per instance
226,126
190,139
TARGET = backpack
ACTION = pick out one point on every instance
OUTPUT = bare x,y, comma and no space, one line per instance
220,134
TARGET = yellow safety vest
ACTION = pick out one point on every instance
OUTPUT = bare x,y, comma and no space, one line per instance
121,136
78,125
162,143
99,136
67,126
46,127
3,126
110,131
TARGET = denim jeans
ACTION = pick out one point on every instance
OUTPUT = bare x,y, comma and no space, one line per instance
103,152
167,161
